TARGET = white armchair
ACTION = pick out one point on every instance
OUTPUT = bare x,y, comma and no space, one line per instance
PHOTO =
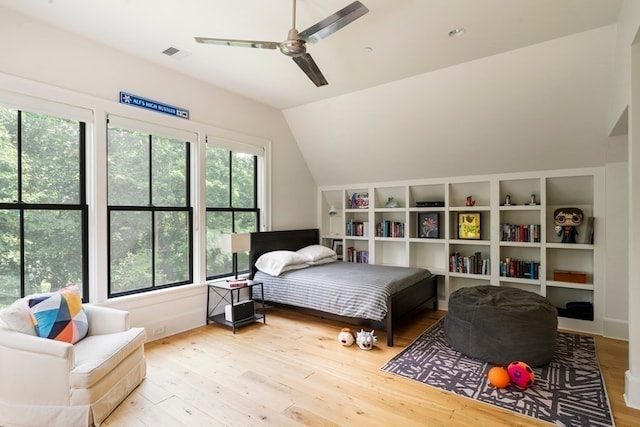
52,383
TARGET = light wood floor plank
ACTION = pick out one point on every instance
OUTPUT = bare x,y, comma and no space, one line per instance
293,372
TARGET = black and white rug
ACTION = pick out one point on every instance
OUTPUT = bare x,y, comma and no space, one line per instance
568,392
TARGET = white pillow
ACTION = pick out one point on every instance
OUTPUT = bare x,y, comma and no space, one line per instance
326,260
315,253
18,317
276,262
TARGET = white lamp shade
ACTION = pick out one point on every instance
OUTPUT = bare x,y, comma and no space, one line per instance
235,242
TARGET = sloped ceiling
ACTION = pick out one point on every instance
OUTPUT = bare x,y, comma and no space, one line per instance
535,108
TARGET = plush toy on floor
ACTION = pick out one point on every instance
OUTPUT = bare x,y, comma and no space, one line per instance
346,337
366,340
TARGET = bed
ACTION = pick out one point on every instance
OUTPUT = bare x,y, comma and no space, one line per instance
374,303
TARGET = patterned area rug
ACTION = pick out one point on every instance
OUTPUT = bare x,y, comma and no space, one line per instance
567,392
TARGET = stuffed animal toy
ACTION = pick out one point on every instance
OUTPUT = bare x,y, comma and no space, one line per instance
346,337
366,340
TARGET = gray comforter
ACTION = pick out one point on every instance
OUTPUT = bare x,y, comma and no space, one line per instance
343,288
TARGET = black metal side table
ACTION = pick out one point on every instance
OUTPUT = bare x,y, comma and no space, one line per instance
226,291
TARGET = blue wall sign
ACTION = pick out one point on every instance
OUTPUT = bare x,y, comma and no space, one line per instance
127,98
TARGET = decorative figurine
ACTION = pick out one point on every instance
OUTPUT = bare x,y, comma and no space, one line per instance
567,220
533,200
470,201
507,200
391,203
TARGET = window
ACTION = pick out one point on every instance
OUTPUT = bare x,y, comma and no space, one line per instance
43,210
149,211
232,205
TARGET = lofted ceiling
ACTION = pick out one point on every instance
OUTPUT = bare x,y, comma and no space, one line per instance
395,40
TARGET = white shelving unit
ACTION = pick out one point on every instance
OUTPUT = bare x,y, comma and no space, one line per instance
581,188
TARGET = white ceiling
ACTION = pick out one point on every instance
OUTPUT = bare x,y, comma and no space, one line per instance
407,37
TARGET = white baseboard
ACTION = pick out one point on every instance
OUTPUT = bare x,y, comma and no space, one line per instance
615,328
631,390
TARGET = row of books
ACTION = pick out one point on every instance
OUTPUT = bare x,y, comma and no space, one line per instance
473,264
390,229
520,232
354,255
520,269
357,228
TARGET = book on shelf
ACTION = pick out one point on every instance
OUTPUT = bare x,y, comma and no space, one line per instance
356,256
471,264
388,228
520,233
520,269
357,228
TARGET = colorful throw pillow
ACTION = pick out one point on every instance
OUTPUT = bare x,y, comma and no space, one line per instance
59,316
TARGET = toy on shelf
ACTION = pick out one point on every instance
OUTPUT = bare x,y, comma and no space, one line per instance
470,201
567,220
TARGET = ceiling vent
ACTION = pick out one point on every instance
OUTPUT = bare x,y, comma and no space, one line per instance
176,53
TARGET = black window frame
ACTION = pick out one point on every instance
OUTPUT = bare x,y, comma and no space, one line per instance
149,207
81,206
234,210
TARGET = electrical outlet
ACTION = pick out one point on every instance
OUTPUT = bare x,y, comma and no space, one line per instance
158,330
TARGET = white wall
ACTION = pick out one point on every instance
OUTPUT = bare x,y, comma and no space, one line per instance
616,310
628,23
60,66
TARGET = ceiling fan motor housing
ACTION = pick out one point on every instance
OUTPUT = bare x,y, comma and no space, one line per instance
294,45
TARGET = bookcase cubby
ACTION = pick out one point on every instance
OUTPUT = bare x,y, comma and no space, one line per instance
516,227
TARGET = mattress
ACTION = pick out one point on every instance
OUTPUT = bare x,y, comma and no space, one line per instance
342,288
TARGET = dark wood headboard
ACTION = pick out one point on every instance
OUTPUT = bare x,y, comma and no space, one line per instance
287,240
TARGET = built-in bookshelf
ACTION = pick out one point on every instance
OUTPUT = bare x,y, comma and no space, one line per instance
422,223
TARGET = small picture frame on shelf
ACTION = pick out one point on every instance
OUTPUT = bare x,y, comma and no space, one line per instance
469,225
429,225
337,248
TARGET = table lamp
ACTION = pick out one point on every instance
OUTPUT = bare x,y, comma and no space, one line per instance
234,243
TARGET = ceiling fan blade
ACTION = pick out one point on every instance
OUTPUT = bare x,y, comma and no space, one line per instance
308,65
239,43
333,23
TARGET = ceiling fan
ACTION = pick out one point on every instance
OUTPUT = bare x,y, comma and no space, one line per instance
295,44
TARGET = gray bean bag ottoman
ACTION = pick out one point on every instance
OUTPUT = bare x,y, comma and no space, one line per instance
500,325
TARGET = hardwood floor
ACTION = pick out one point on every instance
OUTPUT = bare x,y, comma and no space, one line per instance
293,372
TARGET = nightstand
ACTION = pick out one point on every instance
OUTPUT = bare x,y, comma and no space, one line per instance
231,295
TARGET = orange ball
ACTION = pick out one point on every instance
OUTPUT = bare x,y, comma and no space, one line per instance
499,377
